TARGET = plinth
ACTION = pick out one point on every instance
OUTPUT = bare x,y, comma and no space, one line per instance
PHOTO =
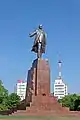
38,95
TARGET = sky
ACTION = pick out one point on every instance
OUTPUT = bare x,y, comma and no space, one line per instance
61,22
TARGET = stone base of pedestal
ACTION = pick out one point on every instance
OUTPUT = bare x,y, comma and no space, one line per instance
38,93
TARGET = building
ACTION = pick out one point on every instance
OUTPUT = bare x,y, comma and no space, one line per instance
21,89
60,88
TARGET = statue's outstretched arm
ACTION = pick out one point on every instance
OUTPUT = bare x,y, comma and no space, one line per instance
32,34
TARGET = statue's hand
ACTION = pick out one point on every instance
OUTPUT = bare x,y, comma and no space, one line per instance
29,35
32,34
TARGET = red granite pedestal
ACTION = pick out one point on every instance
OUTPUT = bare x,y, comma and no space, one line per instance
38,90
39,101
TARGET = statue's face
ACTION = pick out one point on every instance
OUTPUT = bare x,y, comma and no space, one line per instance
40,26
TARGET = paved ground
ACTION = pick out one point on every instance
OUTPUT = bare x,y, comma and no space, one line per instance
37,118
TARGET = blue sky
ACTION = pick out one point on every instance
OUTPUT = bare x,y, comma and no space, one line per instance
61,21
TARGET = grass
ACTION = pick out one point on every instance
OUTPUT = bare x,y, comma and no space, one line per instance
37,118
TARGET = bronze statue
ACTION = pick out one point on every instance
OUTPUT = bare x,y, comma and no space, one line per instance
39,42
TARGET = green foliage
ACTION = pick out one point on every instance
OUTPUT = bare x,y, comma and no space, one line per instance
7,101
72,101
3,97
3,107
13,100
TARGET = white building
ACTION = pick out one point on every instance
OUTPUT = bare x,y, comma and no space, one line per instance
60,88
21,89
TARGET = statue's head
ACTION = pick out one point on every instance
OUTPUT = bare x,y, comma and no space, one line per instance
40,26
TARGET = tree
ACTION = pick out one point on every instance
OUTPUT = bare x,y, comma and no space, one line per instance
72,101
7,101
77,104
3,96
13,100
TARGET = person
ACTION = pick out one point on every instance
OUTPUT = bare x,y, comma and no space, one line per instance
39,36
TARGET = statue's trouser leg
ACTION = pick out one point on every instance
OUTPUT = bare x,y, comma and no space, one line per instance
39,50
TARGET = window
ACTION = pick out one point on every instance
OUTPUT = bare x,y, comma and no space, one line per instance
59,94
61,91
59,88
59,85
